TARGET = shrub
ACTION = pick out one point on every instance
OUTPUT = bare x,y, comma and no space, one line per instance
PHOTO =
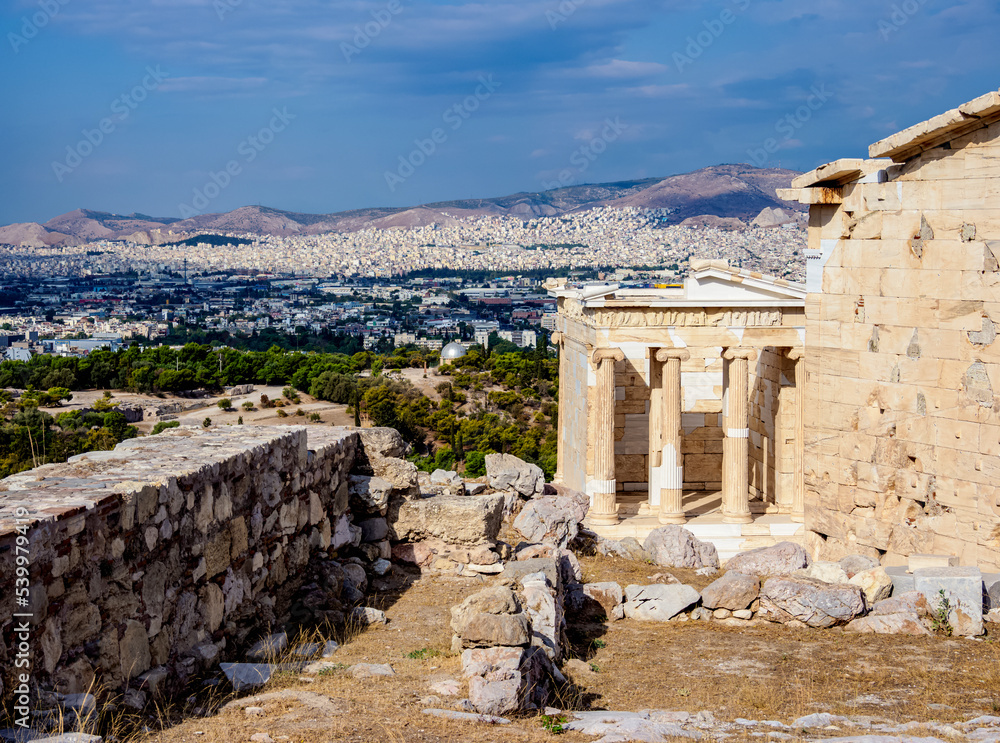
225,404
206,423
163,426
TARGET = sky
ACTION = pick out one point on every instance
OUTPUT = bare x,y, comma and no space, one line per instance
181,107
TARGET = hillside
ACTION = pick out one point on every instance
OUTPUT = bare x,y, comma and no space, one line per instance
726,192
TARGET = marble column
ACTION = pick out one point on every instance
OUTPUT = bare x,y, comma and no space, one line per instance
558,338
798,469
736,445
603,498
651,506
671,459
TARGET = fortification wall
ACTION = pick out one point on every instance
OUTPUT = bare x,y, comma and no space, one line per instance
168,551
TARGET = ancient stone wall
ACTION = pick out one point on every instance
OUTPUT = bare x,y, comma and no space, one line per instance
170,551
903,362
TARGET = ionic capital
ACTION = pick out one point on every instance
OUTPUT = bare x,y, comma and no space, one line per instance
606,354
796,354
665,354
557,338
731,354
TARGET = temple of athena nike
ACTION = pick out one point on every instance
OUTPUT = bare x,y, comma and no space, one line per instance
855,413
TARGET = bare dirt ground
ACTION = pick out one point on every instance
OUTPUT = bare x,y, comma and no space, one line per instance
196,410
766,672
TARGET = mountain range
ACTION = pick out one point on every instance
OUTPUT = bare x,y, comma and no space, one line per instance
714,196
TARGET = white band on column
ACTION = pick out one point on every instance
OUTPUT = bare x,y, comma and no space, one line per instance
672,478
738,433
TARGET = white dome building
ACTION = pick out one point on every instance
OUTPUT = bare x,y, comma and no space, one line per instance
453,351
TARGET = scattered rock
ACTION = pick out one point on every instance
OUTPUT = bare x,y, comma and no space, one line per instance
609,596
446,687
270,648
490,630
783,558
245,676
903,623
366,615
854,564
733,591
507,473
658,603
875,582
812,602
371,670
450,714
675,547
459,520
550,520
826,572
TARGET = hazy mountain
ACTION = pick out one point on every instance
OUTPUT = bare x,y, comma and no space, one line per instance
721,192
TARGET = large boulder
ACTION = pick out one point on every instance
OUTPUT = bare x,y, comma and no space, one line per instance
402,475
827,572
906,614
380,443
809,601
783,558
549,520
497,600
507,679
658,602
676,547
508,474
608,596
453,518
369,494
491,630
733,591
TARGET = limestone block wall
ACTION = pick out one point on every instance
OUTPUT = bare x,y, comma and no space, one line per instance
772,428
170,550
903,360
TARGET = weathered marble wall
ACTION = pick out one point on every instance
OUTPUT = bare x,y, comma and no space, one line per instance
903,360
170,550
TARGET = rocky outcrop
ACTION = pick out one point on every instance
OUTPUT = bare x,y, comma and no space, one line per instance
676,547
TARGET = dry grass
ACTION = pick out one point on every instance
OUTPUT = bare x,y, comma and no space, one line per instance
758,672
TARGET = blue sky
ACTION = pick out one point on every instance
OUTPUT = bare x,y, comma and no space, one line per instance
312,105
